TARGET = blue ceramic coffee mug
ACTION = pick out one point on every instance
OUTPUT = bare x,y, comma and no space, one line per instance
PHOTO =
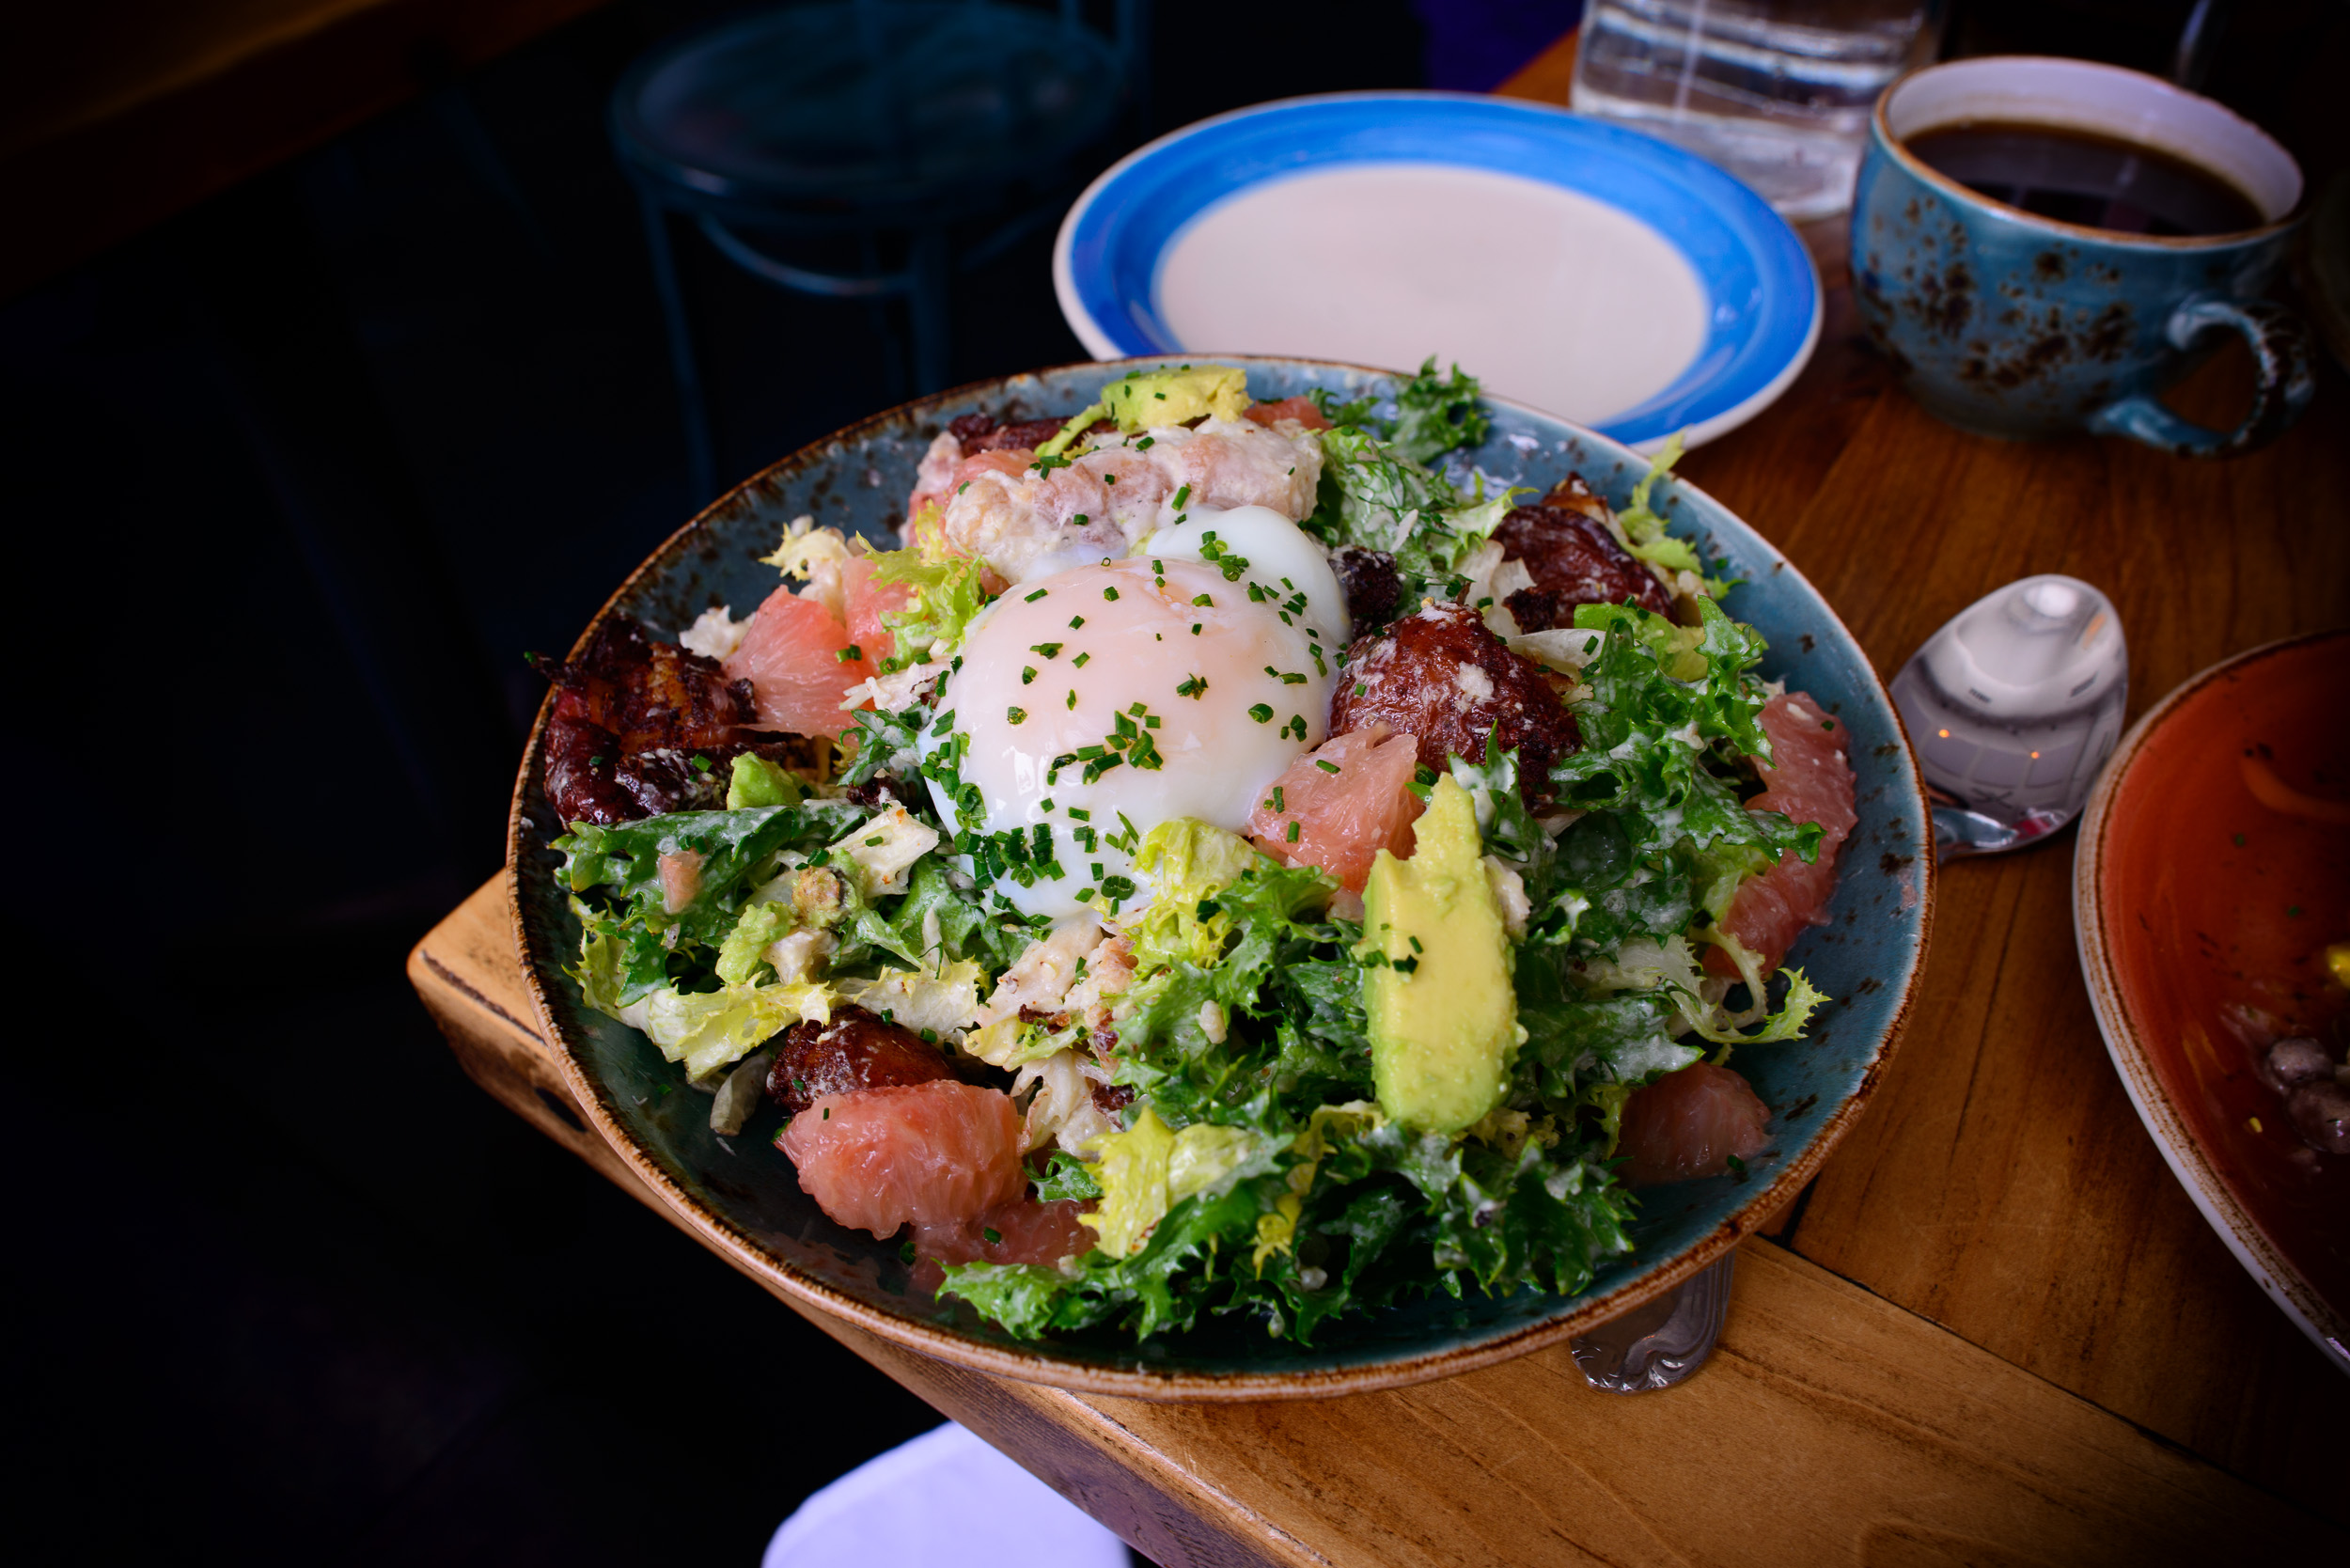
2013,324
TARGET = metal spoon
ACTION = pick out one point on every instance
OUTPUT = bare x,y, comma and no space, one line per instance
2014,707
1659,1342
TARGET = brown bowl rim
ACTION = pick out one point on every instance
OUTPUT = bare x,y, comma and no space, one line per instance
2326,1325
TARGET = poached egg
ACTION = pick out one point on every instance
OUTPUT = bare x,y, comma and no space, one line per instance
1099,701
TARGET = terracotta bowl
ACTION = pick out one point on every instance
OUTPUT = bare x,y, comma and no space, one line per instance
742,1195
2194,903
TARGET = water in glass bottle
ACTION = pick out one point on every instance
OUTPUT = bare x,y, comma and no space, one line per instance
1776,91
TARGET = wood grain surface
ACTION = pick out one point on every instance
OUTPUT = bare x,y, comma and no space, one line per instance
2001,1184
1831,1425
1993,1330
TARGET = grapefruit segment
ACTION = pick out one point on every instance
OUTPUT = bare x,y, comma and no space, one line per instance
1025,1231
867,601
936,1155
1808,781
1346,800
791,655
1300,409
1688,1124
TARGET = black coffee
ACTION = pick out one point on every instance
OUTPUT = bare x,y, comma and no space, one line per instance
2081,178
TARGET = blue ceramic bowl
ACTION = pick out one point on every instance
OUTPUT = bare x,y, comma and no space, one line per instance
2011,323
742,1196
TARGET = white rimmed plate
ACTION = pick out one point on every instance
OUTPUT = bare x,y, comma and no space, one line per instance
1589,271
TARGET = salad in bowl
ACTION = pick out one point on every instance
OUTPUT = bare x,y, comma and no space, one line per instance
1230,867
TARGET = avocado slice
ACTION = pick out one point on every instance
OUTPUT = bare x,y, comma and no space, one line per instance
1146,399
756,781
1442,1012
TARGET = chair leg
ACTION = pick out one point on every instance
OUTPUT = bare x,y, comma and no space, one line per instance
927,302
463,123
878,310
701,466
1133,44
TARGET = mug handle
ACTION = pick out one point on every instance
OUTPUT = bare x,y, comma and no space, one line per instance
2287,381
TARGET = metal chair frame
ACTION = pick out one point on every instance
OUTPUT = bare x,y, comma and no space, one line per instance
724,216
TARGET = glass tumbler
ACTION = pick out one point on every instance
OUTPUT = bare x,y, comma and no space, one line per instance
1776,91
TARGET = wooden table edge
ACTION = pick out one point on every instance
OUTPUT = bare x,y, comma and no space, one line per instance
1102,1452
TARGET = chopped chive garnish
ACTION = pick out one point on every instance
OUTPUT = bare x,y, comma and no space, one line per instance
1077,622
1192,687
1028,673
1325,766
1072,696
1050,650
1292,834
1014,715
851,651
1034,596
1110,594
1079,661
1262,713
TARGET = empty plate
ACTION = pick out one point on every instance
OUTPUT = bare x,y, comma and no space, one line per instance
1597,273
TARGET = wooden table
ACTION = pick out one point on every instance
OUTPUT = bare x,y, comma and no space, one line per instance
1993,1330
115,113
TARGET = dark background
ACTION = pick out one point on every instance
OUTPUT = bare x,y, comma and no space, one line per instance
291,483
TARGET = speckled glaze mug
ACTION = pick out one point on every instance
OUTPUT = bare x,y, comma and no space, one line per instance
2008,323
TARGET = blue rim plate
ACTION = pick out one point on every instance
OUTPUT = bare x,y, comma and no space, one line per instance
1762,291
742,1197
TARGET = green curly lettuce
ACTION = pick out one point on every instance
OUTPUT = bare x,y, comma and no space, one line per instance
949,591
1434,416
